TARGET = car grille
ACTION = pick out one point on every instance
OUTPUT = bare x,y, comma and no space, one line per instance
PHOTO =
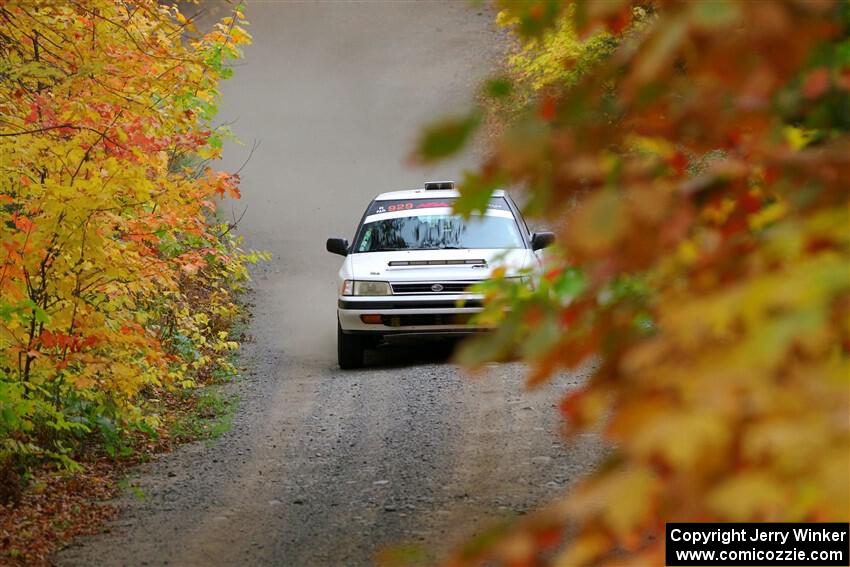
433,287
474,262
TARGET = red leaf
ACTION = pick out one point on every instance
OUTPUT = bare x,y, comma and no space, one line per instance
549,538
548,108
617,22
679,163
571,313
817,83
553,273
750,203
47,339
23,223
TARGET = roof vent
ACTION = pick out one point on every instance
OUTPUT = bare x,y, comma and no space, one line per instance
435,185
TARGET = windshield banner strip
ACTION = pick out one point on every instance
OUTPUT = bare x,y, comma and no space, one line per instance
391,206
444,212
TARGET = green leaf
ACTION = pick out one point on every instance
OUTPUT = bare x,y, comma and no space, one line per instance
498,87
41,315
571,283
475,192
542,337
497,346
535,16
447,137
715,13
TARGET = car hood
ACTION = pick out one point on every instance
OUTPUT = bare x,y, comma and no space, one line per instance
376,265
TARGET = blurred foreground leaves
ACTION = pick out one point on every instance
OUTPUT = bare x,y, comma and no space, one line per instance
694,158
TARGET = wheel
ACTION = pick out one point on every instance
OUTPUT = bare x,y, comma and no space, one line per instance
349,349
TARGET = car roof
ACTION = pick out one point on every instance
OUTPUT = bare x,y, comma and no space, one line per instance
425,194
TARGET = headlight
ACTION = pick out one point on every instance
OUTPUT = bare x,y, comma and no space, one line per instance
353,287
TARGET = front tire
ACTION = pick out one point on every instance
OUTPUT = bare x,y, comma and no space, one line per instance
349,349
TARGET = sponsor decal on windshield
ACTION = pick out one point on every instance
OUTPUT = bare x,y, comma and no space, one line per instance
379,207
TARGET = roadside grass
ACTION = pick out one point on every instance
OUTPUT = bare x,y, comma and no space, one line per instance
126,485
214,407
212,416
211,407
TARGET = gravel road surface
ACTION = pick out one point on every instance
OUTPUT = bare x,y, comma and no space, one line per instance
324,467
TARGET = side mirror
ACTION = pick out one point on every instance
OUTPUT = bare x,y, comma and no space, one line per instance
540,240
338,246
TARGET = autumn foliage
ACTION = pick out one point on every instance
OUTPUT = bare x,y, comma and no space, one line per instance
116,277
695,160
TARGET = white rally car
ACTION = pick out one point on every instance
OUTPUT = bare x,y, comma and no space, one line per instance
413,260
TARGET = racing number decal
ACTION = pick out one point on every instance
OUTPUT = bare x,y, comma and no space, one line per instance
380,207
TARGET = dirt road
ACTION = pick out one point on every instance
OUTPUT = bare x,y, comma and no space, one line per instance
324,467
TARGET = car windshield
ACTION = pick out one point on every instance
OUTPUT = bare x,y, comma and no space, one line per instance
439,231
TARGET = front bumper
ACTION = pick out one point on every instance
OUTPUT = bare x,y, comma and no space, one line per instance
448,314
